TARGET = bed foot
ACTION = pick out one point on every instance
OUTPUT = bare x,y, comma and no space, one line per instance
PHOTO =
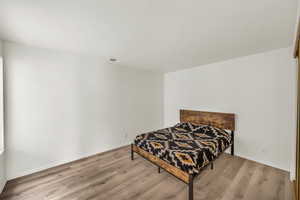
212,166
132,153
159,170
191,188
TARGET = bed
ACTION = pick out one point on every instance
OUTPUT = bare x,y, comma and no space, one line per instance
187,148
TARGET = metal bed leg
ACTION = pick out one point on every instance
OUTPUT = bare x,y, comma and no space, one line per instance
132,155
159,170
232,145
212,165
191,187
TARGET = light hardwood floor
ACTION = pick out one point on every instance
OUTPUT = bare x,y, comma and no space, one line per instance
113,176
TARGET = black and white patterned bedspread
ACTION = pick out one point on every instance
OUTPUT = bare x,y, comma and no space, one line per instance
186,146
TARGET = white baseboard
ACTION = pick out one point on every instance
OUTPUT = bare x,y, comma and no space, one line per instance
60,162
2,185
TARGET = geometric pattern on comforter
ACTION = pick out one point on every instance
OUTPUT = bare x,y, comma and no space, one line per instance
186,146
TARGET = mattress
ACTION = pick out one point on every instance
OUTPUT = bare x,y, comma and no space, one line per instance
186,146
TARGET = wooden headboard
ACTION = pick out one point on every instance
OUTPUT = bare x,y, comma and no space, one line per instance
219,120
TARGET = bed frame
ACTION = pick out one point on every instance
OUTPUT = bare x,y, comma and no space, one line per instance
219,120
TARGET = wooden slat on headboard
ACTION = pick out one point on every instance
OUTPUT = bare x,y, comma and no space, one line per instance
219,120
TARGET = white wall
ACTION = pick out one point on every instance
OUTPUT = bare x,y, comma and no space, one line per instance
260,89
2,153
61,107
294,137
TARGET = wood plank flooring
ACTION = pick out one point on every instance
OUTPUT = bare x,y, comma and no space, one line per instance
114,176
